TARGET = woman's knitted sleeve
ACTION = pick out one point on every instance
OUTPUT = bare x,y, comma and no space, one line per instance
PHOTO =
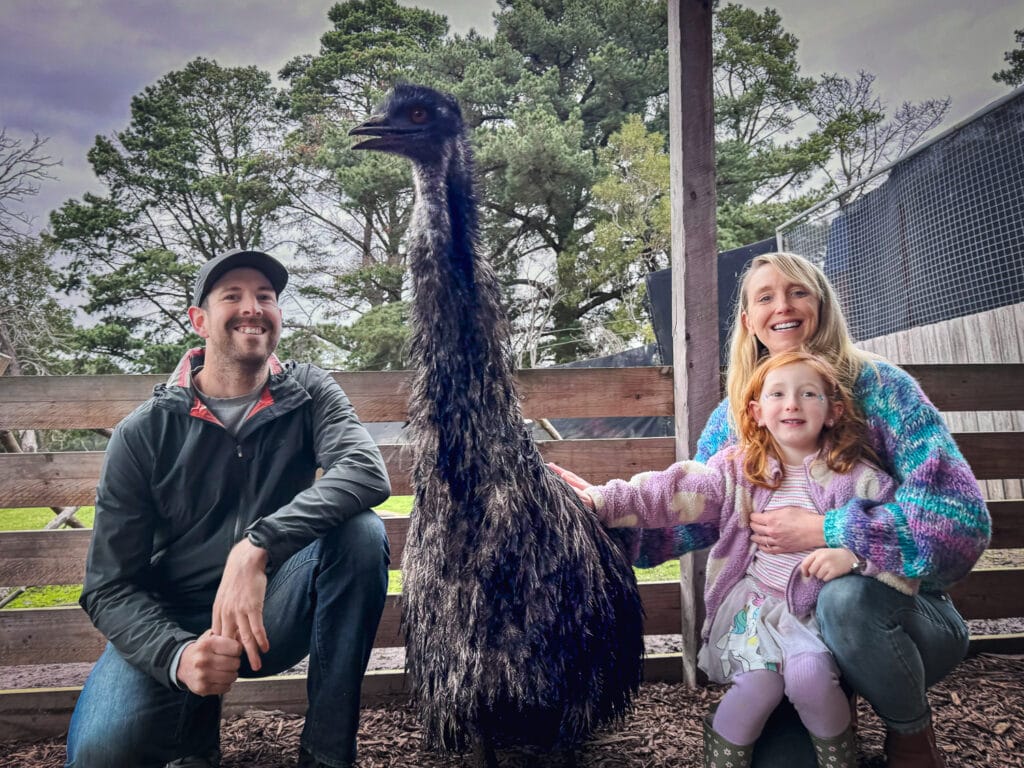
938,524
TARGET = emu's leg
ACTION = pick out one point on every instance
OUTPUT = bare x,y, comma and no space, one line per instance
484,754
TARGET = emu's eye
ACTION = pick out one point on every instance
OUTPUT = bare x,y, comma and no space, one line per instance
418,115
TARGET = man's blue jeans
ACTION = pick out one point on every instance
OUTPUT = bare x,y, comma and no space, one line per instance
890,648
325,601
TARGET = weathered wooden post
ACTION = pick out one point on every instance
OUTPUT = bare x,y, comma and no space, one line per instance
694,264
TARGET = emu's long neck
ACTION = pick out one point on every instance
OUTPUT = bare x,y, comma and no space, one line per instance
464,401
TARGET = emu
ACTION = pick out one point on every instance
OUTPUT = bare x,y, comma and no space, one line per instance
522,618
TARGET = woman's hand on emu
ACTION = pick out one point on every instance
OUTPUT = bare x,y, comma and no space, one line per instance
575,482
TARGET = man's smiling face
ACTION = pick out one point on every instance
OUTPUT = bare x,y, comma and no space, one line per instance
240,318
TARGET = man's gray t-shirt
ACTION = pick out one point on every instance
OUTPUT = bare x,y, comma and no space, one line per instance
231,411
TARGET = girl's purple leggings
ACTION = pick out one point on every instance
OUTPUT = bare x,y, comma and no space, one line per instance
809,680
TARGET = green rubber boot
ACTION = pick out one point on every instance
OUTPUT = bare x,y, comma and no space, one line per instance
719,753
838,752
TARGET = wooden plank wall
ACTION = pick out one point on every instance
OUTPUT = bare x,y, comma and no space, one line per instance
52,557
62,635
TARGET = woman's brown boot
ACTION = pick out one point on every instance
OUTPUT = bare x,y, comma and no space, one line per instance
913,750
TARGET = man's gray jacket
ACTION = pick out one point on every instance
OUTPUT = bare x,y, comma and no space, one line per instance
177,492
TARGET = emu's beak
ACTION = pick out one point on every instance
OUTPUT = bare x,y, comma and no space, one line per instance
381,131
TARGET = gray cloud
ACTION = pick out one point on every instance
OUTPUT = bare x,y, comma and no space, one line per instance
69,68
919,49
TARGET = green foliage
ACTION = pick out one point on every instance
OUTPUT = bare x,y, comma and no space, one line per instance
399,505
743,224
760,97
665,572
563,78
193,175
47,597
633,237
377,341
351,209
369,47
1013,75
54,440
567,106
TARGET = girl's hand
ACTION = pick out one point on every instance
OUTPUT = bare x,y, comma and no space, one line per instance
575,482
827,564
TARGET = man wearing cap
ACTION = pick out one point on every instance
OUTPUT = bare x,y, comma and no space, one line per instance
217,553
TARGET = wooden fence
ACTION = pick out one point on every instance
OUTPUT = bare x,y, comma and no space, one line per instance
59,480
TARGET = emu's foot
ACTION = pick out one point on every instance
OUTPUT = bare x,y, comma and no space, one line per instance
484,755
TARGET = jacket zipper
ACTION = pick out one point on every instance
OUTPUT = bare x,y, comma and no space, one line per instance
238,516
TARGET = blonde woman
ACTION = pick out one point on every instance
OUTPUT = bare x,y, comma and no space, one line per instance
889,646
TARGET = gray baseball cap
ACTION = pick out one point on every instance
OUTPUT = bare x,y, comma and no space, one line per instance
215,268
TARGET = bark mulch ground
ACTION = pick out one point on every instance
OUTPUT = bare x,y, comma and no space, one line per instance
979,716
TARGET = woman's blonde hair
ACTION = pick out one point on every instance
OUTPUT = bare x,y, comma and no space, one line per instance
831,340
846,437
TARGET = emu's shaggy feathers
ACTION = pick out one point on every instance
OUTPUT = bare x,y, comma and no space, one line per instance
522,618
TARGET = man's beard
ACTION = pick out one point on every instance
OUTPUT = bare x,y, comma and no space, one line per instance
246,358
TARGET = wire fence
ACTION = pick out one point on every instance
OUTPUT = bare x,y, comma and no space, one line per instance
936,235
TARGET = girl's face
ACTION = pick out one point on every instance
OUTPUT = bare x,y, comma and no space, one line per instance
795,407
782,314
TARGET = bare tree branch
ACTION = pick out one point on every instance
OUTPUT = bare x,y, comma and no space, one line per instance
23,166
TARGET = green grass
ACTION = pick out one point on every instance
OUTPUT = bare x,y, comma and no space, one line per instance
399,505
35,518
665,572
45,597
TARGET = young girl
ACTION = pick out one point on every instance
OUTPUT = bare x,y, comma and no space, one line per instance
800,444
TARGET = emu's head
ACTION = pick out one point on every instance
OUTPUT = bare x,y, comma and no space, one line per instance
414,121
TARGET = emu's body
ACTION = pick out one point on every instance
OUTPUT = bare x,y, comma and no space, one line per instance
522,619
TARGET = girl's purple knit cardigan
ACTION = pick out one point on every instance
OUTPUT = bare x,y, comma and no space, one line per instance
937,526
717,494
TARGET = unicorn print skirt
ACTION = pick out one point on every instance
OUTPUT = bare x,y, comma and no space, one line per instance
754,629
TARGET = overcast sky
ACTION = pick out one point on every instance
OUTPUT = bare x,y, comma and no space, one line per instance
69,68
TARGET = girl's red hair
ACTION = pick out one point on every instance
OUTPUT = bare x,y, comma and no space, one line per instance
844,444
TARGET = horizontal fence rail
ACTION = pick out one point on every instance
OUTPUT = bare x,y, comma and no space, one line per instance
67,479
64,635
97,402
58,557
64,479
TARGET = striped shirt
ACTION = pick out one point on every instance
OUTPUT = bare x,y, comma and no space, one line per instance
772,571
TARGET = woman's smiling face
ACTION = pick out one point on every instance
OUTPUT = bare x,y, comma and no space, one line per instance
781,313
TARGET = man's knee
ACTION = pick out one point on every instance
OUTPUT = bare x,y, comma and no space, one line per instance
360,544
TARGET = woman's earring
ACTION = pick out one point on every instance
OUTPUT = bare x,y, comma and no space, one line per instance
829,423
